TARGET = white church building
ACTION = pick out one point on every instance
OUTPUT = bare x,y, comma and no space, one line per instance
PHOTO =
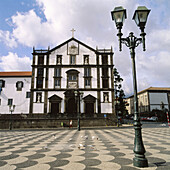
65,80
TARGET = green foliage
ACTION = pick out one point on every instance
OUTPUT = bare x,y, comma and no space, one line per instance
119,95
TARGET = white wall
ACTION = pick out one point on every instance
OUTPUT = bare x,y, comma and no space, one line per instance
19,97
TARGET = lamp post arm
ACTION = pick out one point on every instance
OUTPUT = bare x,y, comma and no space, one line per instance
131,41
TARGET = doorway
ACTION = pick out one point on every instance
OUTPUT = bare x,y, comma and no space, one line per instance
89,109
54,108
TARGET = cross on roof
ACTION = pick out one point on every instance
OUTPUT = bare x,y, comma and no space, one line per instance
73,30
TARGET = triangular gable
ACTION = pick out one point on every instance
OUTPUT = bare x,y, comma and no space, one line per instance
89,98
54,98
72,39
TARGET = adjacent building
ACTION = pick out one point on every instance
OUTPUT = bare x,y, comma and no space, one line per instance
15,90
150,99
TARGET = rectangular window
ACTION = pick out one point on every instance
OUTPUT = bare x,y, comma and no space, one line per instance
58,72
105,72
39,82
38,97
57,83
0,102
87,72
72,59
41,59
87,82
10,102
72,77
28,94
105,83
40,72
104,59
2,83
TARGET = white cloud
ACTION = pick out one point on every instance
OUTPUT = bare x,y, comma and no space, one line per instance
12,62
159,40
93,24
6,38
31,31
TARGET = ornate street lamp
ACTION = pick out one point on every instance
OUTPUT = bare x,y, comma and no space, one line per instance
11,109
78,96
140,17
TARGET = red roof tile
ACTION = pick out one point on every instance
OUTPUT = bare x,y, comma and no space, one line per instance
16,73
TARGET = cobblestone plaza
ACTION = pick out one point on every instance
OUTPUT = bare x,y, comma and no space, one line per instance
108,148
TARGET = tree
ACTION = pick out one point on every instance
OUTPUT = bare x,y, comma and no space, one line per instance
120,105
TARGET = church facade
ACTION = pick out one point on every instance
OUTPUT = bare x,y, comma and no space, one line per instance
70,78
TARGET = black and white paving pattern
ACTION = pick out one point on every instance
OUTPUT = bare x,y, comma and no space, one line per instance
93,149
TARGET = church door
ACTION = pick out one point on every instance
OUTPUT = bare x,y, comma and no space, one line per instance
54,108
55,105
71,107
89,109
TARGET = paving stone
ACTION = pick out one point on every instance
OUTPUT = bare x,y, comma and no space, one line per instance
101,149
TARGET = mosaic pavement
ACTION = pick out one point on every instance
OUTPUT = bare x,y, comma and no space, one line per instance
88,149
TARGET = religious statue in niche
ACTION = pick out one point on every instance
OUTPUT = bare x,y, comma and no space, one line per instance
73,48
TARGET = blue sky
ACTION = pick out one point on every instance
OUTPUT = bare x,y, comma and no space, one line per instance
43,23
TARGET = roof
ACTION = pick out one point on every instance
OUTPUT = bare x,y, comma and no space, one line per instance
72,39
153,89
16,74
66,42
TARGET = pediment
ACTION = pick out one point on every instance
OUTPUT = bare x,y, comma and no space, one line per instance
73,44
54,98
89,98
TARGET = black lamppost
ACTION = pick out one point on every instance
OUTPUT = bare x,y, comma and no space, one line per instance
11,109
140,17
78,96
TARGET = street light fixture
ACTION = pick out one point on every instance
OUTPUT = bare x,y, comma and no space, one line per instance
78,96
140,17
11,109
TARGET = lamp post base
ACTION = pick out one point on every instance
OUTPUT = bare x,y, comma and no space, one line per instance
10,126
140,162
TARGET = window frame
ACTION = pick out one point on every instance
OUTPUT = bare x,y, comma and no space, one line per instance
39,85
104,82
57,86
88,85
28,94
17,85
71,59
10,102
40,59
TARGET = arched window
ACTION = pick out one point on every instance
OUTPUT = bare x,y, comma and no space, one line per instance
72,78
19,85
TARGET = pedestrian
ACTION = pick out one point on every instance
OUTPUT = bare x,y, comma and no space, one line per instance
71,124
62,124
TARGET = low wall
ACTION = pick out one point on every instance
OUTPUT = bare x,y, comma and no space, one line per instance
54,122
